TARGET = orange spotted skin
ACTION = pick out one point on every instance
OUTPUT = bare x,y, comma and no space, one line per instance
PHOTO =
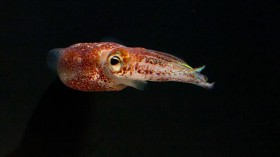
79,67
88,67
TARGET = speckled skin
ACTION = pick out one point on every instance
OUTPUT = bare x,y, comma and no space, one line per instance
85,67
79,67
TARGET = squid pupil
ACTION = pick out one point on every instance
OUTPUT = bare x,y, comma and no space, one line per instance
115,60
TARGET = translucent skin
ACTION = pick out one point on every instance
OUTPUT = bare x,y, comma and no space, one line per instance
87,67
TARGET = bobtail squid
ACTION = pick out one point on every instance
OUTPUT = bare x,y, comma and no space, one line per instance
108,66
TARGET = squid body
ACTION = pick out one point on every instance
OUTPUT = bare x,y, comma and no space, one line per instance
108,66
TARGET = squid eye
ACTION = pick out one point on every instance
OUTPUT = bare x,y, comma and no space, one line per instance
115,63
115,60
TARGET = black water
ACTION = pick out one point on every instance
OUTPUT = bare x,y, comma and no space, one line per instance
236,40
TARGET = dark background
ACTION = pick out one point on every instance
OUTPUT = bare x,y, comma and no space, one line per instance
238,41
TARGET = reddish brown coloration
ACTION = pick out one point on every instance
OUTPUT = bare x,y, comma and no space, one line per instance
88,67
79,67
